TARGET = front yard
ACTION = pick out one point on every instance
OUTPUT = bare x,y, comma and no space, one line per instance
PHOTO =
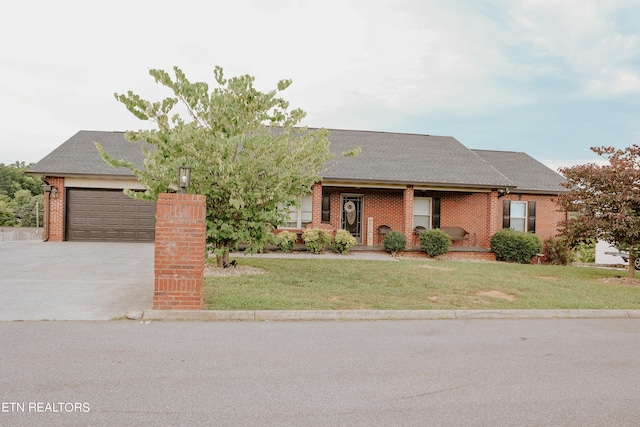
337,284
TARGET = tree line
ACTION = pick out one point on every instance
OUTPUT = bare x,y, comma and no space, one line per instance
21,199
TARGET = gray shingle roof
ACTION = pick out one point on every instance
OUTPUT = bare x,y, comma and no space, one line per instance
79,156
526,173
385,158
409,158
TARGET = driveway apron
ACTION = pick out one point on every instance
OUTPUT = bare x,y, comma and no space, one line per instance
74,280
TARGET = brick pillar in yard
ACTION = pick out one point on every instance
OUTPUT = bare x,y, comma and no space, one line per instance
181,233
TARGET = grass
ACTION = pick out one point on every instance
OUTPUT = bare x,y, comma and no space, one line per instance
335,284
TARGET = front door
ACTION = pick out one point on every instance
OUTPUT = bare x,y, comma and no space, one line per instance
352,215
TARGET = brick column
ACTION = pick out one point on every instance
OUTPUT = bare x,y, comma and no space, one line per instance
54,211
181,233
407,203
316,209
494,219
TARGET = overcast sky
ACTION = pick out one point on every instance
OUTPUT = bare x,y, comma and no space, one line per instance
547,77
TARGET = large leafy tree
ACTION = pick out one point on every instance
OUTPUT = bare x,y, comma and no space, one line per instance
247,155
605,200
20,196
14,179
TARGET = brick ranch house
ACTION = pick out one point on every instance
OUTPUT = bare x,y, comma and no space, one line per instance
397,182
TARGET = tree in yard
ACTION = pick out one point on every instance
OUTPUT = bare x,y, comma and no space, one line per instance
605,200
245,152
13,179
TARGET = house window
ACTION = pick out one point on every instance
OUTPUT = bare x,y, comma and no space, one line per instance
422,212
518,220
300,216
326,208
519,216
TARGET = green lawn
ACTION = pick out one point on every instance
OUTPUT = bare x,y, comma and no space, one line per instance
336,284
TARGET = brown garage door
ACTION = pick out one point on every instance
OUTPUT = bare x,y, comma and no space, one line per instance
108,215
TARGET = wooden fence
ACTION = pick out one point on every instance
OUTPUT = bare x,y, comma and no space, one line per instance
8,234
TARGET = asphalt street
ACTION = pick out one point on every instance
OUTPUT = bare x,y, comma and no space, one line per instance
562,372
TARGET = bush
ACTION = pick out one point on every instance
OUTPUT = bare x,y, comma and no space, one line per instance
394,241
435,242
557,251
586,251
515,246
316,239
343,241
285,241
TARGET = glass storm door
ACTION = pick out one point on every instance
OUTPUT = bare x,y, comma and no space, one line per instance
352,216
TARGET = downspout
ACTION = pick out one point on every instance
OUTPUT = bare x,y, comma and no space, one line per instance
47,202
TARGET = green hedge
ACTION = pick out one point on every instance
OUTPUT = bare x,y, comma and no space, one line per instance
515,246
394,241
286,240
557,251
343,241
435,242
316,239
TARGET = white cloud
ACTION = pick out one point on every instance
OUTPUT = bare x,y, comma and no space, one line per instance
354,64
587,38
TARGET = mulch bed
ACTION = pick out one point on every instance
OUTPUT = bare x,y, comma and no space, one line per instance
239,270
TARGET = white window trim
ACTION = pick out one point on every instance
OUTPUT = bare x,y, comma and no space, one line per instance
522,218
428,215
299,211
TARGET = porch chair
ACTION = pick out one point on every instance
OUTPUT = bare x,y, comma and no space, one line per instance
382,230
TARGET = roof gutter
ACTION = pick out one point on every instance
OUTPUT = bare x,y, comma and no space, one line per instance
433,186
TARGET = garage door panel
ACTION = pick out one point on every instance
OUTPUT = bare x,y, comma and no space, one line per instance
147,210
146,236
79,235
112,208
145,223
111,235
112,222
128,236
129,222
108,215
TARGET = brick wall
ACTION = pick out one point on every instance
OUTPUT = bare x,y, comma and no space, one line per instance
468,211
179,252
384,206
55,211
478,213
548,215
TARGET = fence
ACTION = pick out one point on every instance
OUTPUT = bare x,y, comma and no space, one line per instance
8,234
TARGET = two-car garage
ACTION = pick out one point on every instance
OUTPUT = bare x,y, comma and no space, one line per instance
108,215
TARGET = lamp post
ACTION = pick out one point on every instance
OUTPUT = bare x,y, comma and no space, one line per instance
184,177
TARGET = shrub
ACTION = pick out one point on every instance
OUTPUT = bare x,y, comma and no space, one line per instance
394,241
285,240
343,241
515,246
586,251
435,242
316,239
557,251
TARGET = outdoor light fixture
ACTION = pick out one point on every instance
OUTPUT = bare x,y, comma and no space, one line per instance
50,189
184,177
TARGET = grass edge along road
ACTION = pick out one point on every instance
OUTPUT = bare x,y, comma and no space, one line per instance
347,284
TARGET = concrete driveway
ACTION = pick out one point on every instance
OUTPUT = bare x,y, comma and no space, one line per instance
73,280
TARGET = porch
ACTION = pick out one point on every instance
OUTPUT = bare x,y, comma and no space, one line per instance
369,213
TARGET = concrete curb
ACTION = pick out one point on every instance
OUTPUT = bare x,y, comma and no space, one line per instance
342,315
